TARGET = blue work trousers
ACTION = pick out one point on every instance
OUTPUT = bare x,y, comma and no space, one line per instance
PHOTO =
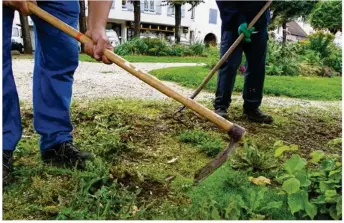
255,53
56,59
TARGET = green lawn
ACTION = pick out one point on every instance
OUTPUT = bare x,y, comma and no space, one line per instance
313,88
152,59
136,59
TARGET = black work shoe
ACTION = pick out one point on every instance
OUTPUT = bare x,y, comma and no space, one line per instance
222,112
65,154
7,159
256,115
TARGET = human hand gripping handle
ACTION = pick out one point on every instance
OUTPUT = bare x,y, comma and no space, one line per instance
22,6
98,12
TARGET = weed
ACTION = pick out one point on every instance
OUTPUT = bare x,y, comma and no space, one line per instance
211,145
253,159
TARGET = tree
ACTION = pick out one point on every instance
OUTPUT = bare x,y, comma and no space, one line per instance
137,17
178,13
26,33
82,20
327,15
285,11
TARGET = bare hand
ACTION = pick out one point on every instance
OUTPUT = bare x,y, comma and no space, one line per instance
21,6
100,44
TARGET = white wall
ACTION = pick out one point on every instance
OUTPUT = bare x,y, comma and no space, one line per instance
201,25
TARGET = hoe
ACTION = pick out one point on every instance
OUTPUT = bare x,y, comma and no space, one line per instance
236,132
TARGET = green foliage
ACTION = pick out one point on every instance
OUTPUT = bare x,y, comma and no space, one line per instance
317,156
281,59
280,148
253,158
210,144
253,205
327,15
320,42
313,193
284,11
158,47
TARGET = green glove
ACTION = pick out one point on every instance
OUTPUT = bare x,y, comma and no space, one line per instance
247,32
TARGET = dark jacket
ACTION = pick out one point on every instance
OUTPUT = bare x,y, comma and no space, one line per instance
234,13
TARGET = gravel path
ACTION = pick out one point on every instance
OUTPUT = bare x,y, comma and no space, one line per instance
96,80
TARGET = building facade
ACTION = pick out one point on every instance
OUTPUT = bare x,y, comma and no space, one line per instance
201,24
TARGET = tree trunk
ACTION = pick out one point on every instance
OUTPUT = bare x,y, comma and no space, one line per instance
26,34
178,18
137,18
82,20
284,26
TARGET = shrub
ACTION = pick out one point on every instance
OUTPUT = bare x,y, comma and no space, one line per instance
281,59
158,47
197,48
321,42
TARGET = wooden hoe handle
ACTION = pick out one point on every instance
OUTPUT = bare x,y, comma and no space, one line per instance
237,132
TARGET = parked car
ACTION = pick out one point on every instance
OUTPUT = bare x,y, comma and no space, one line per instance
17,39
113,37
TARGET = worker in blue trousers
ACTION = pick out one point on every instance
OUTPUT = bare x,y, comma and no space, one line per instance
235,16
56,59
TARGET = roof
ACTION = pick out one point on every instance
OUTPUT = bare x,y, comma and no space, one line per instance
295,29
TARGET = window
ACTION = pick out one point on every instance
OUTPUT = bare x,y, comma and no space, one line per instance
170,10
149,5
146,5
124,4
212,16
193,13
15,32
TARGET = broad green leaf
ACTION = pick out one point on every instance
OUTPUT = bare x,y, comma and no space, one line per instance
296,201
328,164
339,206
316,156
295,163
291,186
330,196
311,209
280,150
272,205
324,186
339,171
302,176
319,200
335,141
283,177
334,213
